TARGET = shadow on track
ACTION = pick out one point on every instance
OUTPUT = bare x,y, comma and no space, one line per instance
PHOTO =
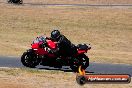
59,69
65,69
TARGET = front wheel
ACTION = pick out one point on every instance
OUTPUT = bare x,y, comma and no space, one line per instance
9,1
29,59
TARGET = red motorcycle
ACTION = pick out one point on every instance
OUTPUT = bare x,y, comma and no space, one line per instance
41,52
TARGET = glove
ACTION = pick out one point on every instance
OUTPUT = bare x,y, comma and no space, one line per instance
44,44
55,50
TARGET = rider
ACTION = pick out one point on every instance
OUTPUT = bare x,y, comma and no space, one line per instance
15,1
65,47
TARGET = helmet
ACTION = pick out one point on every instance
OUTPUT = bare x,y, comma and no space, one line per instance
55,34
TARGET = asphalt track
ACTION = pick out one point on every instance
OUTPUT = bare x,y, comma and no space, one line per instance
86,5
75,5
101,68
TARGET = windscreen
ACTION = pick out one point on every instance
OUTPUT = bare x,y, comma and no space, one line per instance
40,39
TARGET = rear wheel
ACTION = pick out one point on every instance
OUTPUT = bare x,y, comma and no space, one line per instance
84,61
21,2
29,59
74,65
81,60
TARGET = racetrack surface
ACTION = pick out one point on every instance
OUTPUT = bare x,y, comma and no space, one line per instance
89,5
75,5
101,68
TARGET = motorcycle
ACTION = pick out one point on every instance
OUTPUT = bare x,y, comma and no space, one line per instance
15,1
41,52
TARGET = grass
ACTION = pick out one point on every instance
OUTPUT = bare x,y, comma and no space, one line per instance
33,78
108,30
20,71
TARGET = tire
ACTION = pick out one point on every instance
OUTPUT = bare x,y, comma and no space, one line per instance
16,1
9,1
84,61
29,59
81,60
21,2
75,65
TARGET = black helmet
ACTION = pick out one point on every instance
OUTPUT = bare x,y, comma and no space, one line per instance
55,34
